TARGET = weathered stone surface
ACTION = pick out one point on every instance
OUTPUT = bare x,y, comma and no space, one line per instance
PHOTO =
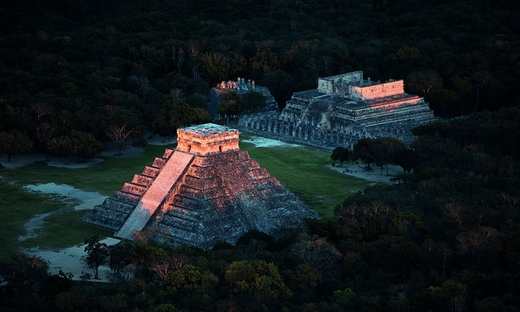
207,190
342,110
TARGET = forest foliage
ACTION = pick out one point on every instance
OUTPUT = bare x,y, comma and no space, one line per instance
444,237
117,69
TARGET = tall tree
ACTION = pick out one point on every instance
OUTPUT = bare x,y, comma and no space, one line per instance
81,144
230,105
363,152
119,135
422,83
14,143
340,153
256,285
253,100
97,254
173,114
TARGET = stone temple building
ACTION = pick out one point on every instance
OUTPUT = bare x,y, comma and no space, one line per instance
206,190
241,87
343,109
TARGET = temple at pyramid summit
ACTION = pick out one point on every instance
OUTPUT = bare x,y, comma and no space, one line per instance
204,191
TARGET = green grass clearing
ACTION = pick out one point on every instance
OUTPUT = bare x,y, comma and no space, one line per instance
303,170
64,229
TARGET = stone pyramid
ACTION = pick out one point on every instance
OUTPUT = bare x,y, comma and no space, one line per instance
206,190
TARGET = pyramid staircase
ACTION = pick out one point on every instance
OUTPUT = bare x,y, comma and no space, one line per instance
206,190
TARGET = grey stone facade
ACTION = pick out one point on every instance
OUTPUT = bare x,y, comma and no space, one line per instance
342,110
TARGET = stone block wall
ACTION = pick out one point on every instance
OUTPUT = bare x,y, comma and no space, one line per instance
206,140
328,117
375,91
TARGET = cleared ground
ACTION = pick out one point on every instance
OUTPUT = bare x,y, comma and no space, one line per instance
41,205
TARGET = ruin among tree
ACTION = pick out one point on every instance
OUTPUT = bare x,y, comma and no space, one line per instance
241,87
204,191
341,110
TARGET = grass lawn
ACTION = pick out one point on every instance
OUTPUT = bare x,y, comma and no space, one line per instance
64,227
301,169
304,171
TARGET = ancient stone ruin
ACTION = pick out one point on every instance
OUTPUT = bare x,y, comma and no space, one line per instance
241,87
206,190
342,110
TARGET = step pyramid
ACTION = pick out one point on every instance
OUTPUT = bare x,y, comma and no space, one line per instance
206,190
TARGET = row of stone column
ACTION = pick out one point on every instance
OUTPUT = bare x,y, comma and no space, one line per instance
281,128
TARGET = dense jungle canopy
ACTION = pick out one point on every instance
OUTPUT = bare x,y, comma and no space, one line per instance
114,69
444,237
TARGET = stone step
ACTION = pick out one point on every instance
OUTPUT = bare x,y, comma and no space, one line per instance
183,202
155,194
202,172
267,180
202,184
133,188
127,197
259,173
142,180
150,171
123,206
181,218
159,162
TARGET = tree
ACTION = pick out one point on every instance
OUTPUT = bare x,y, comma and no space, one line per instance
407,159
445,103
280,85
201,116
97,254
119,135
363,151
63,146
316,252
452,293
422,83
265,61
192,286
256,285
340,153
173,114
253,100
231,104
81,144
217,66
44,133
70,301
144,257
385,151
120,255
23,274
14,143
197,100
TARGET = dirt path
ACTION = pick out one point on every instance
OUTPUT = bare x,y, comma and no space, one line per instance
374,175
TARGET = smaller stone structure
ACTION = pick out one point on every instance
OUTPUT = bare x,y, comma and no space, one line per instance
341,110
206,190
241,87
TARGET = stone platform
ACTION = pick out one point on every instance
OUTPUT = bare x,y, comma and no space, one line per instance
205,191
342,110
